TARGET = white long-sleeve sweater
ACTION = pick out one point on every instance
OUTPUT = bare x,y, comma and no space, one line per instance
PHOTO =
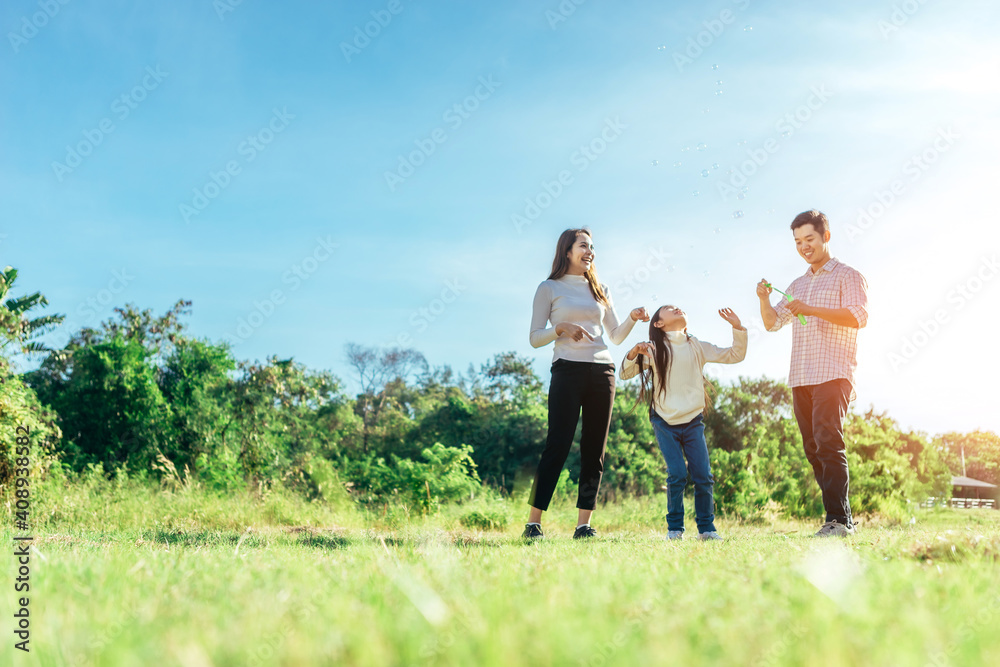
685,395
569,299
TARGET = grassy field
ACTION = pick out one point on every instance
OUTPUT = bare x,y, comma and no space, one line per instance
144,578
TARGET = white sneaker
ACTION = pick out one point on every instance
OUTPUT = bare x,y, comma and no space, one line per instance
710,535
675,534
834,529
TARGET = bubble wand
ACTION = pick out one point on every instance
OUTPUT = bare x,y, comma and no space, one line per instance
802,318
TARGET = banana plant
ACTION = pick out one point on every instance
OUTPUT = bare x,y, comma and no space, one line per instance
17,330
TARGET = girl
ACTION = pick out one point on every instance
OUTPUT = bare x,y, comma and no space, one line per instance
580,310
674,388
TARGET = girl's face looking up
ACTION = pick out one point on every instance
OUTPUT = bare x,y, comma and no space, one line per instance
670,318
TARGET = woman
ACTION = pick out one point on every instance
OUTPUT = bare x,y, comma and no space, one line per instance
580,310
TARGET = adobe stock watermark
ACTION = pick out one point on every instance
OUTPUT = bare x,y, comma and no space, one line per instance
294,276
914,167
248,150
900,16
656,260
581,158
698,43
786,126
604,654
775,654
107,635
30,25
564,10
422,318
454,117
122,106
972,622
363,37
88,309
223,7
957,298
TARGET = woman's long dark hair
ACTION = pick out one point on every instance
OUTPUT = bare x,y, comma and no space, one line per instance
662,359
561,263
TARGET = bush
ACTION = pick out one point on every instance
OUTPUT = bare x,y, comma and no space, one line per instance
485,520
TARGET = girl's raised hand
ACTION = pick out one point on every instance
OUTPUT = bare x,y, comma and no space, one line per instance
639,315
728,315
644,348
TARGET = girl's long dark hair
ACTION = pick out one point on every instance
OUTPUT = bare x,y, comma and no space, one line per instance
662,360
561,263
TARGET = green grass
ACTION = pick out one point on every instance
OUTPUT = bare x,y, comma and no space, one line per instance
124,576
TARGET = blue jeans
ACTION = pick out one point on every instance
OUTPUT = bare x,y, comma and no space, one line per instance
677,442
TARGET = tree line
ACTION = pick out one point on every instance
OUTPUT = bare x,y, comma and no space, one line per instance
137,397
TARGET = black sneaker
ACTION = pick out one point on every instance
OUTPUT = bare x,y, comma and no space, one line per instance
532,531
584,531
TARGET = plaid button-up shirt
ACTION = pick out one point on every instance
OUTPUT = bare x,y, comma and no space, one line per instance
823,351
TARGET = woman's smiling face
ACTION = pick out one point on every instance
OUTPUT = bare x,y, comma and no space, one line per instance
581,254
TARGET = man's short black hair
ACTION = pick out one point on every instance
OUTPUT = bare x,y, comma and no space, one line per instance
815,218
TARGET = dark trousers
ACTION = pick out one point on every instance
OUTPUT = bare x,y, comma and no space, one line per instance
576,385
820,411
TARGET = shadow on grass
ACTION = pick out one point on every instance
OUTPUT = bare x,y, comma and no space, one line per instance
323,541
208,538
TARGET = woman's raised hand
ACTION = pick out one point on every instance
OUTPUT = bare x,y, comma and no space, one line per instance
574,331
639,315
728,315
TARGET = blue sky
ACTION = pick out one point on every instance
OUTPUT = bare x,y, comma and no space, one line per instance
279,142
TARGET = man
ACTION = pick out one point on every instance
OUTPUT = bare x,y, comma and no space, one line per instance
833,297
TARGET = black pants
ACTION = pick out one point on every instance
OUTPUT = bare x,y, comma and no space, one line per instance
820,411
576,385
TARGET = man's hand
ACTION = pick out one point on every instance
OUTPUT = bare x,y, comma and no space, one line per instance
798,308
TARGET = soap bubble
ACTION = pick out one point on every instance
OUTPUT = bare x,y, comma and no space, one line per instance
685,149
747,28
741,143
702,147
661,47
769,211
704,173
694,193
677,164
705,110
741,195
718,92
718,230
786,134
737,214
706,274
719,82
655,162
715,67
715,165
